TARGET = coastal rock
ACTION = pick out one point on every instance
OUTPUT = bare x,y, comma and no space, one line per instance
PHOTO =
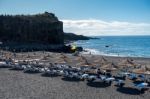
40,28
74,37
34,33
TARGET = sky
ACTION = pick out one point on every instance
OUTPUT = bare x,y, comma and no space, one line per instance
89,17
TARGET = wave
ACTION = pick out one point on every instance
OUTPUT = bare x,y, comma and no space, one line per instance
97,52
92,51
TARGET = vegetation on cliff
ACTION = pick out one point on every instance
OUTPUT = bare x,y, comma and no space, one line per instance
40,28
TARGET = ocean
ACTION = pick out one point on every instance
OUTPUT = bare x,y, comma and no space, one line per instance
125,46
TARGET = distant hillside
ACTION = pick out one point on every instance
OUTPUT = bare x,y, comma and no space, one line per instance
72,36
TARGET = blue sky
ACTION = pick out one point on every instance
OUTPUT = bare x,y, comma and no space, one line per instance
86,12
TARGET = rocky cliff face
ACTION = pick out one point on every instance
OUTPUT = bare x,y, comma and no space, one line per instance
34,32
40,28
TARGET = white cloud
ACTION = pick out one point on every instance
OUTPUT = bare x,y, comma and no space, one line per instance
92,27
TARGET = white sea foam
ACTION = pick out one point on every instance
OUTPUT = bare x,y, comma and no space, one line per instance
92,51
97,52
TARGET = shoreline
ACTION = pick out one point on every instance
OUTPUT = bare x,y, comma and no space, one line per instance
98,53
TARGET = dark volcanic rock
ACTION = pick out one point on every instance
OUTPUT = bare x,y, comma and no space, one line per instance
34,33
74,37
40,28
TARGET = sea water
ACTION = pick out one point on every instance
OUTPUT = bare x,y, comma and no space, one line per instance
127,46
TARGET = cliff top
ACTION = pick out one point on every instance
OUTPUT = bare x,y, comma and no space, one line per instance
46,17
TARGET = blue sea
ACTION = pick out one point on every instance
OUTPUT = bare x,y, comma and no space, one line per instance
125,46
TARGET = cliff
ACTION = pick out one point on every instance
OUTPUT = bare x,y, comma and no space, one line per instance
40,28
34,32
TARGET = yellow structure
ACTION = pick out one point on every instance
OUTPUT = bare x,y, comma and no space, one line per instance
73,48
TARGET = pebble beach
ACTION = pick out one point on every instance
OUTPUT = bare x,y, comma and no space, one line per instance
19,85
